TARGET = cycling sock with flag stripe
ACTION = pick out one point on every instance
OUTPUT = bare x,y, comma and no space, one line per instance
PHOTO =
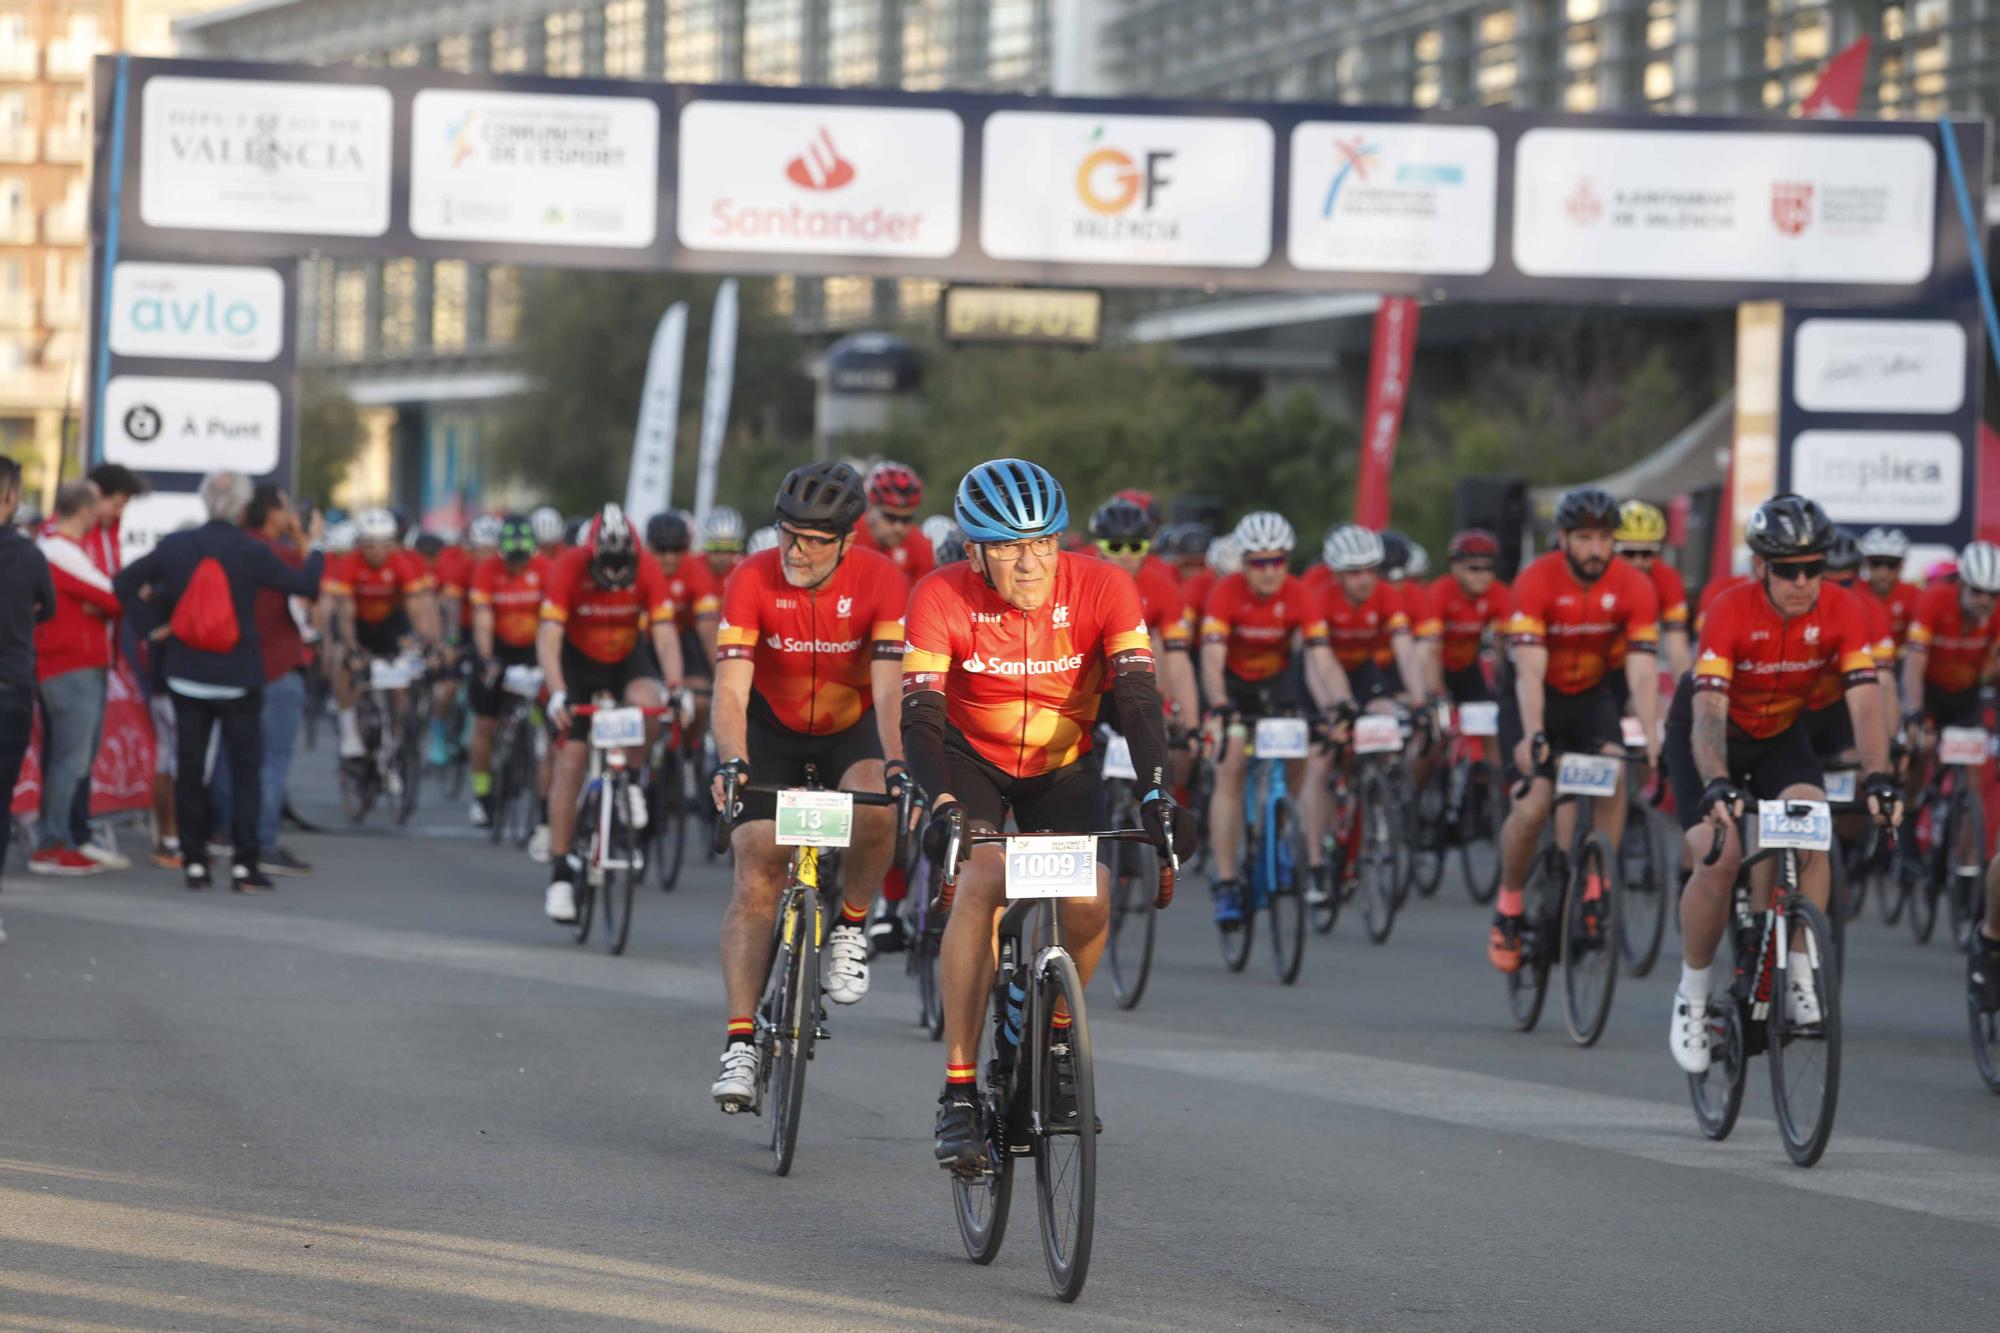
1059,1023
850,915
960,1077
741,1030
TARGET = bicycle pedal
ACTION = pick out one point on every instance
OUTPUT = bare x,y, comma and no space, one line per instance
820,1033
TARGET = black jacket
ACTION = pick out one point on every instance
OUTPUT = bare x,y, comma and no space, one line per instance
27,598
249,565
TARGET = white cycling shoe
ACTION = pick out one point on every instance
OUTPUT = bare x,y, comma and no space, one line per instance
477,814
538,845
560,903
1687,1036
1801,997
846,964
736,1088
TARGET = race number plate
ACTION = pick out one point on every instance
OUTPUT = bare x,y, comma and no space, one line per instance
1962,745
526,681
1118,759
815,818
1479,719
1635,733
1588,775
1280,738
617,728
1377,733
1840,786
1810,831
1052,867
386,675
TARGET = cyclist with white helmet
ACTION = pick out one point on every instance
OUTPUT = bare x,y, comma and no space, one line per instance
548,526
1883,551
382,598
723,538
1252,627
763,539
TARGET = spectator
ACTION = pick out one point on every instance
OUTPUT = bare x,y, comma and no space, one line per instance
211,688
27,597
118,485
273,521
72,660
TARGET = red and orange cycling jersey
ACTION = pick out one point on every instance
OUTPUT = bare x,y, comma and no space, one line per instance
695,590
1673,602
603,623
1901,604
1022,688
1832,683
1361,632
1195,589
913,557
1958,652
1768,665
513,595
1578,622
1160,598
1257,631
1416,603
452,571
1459,622
1712,592
378,591
810,649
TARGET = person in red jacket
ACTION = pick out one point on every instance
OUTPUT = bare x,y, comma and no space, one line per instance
72,663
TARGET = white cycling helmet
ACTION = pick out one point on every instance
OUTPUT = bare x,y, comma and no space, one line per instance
1264,531
1225,557
375,525
547,523
1979,567
1884,544
1420,562
1351,547
763,539
340,538
484,531
722,529
937,527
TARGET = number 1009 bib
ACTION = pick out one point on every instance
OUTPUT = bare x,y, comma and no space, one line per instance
1052,867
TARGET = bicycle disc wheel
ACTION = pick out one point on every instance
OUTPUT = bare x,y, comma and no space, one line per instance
1589,942
1985,1042
980,1203
1805,1058
1133,923
1966,893
1066,1152
670,818
1479,832
1288,897
1385,858
794,1008
1718,1094
1528,984
1642,920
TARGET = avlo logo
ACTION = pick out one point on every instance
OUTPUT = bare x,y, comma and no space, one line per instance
820,166
201,312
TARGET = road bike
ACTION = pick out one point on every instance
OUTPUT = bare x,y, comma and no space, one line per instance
1274,847
614,855
1950,810
1370,829
1038,1096
1427,803
389,713
674,791
519,743
1475,800
1132,925
1642,866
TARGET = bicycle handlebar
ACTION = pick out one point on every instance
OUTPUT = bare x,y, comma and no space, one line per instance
1170,864
1722,835
734,790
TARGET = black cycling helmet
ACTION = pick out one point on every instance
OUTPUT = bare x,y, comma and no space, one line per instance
1787,527
826,497
1587,507
517,540
428,545
668,533
614,555
1121,520
1182,540
1395,554
1844,555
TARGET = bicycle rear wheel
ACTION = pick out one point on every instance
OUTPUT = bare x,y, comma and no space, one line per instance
792,1009
1528,984
410,763
1065,1149
1236,939
1385,857
980,1203
1287,897
1718,1094
1985,1042
1133,923
1892,885
1642,920
1805,1058
1427,834
619,884
1483,809
670,796
1589,942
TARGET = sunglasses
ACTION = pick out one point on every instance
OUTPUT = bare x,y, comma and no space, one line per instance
1477,569
888,516
1798,571
1880,562
809,540
1124,548
1265,561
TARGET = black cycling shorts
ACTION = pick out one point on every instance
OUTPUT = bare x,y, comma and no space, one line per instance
1621,689
384,637
1583,723
1468,685
1069,799
586,678
1274,696
1830,730
1951,708
1763,767
779,755
488,700
1392,680
1369,683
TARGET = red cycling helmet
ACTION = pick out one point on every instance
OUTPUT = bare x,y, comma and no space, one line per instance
895,486
1474,544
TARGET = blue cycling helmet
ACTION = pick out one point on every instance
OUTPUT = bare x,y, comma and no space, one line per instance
1010,500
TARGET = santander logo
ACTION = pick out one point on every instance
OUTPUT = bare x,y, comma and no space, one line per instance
820,166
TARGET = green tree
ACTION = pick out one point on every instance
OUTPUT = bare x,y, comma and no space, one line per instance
329,436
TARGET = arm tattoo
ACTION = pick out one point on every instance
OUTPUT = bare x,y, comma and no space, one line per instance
1710,740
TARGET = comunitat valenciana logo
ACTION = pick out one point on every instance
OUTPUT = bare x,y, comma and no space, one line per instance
1121,190
819,169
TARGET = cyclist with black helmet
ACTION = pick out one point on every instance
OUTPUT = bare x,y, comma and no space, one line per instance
697,596
1570,606
597,599
1123,532
808,672
506,600
889,524
1002,680
1733,735
1827,718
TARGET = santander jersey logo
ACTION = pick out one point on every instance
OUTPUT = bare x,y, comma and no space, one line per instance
820,166
1033,666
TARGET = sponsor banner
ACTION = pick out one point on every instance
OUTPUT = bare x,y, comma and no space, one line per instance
1720,206
121,776
845,180
236,154
1388,389
1375,198
649,482
150,517
1182,191
716,391
534,168
160,424
197,312
1869,477
1879,365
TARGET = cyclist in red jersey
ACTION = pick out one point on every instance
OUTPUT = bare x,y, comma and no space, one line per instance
450,569
1827,719
382,598
1122,532
506,602
889,525
724,541
1733,733
597,599
1953,639
1884,551
1184,546
1641,535
1001,691
808,675
1469,608
1570,606
697,596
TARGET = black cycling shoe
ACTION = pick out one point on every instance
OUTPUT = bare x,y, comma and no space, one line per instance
961,1138
888,934
1982,973
1062,1107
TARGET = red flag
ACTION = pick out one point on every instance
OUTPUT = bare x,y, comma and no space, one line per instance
1838,92
1388,390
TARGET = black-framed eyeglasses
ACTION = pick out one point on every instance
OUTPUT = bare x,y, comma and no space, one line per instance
1139,547
1884,562
1264,561
1799,571
810,541
1007,552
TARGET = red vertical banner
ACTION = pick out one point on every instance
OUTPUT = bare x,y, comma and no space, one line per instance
1388,390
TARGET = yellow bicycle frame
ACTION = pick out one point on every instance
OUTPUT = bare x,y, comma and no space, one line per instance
805,873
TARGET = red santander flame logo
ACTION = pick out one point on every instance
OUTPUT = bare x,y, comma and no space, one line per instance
820,166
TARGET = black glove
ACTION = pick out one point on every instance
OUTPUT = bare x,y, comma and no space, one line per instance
1885,798
937,833
1158,812
1346,711
1721,792
1913,720
895,777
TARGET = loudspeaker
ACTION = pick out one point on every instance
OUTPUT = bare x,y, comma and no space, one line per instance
1500,505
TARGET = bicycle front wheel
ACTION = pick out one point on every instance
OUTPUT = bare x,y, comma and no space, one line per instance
670,794
1805,1055
980,1203
409,765
792,1009
1133,923
1967,860
1483,811
1066,1147
1642,862
1528,984
1385,858
1718,1094
1985,1042
1589,944
1427,834
619,883
1288,897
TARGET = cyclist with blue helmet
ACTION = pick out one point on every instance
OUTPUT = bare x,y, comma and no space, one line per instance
1005,659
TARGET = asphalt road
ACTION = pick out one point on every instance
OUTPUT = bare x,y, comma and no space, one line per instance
392,1095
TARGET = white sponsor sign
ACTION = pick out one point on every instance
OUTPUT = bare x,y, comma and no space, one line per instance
1881,476
1879,365
159,424
534,168
1377,733
819,179
251,155
197,312
1393,198
1714,206
1177,190
148,518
